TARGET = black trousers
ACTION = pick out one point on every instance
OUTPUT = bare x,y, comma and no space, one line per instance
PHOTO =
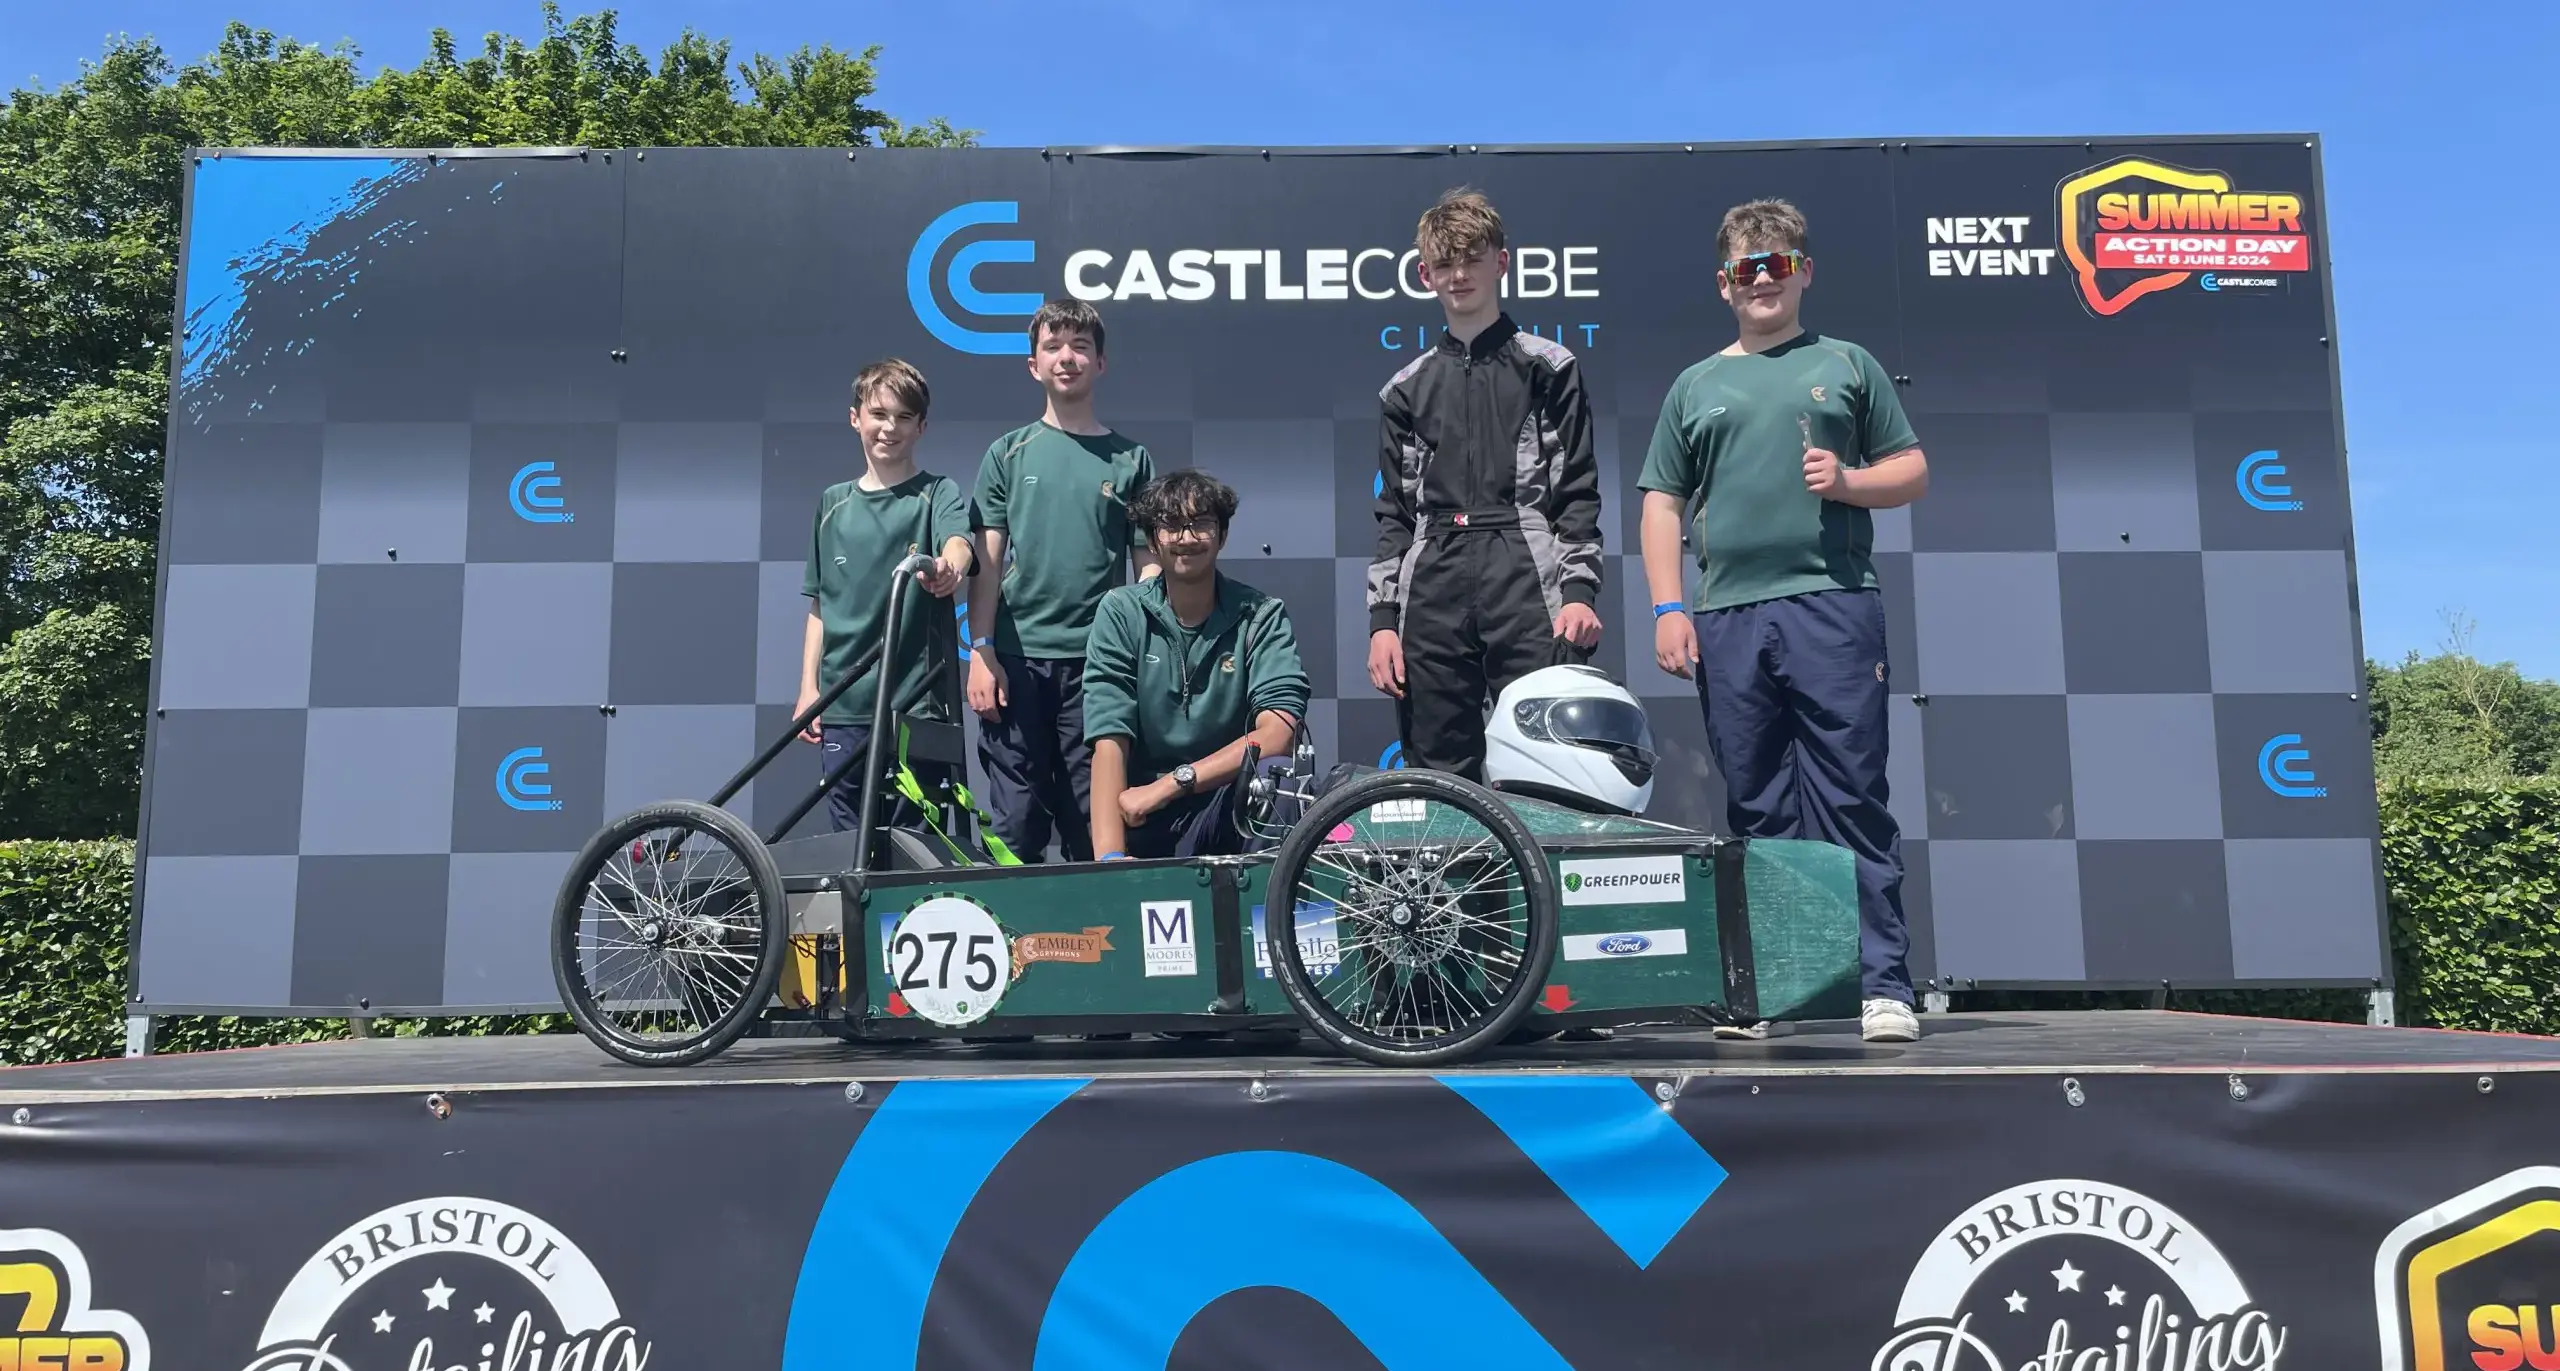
1475,620
1038,767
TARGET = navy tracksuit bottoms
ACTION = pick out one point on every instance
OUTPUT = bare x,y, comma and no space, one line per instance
1794,693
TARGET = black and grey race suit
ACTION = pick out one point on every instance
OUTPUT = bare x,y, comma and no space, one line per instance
1488,525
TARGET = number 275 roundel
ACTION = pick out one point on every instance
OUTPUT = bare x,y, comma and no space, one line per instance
947,957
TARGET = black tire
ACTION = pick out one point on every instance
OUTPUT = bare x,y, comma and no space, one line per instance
762,931
1480,1026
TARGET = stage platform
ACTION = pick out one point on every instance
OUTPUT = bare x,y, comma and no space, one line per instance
2086,1043
2109,1190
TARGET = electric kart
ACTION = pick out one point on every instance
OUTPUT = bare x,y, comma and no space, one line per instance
1407,917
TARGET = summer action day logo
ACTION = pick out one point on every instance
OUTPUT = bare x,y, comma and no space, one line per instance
2131,228
2134,227
44,1280
2474,1283
452,1283
2070,1275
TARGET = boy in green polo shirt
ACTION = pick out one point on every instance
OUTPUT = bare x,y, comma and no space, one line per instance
1181,672
1785,440
1055,495
865,527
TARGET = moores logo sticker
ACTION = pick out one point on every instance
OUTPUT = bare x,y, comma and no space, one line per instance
530,493
957,279
2262,482
520,781
2284,765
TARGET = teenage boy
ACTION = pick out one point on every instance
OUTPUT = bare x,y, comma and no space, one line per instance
1183,670
1785,440
1488,559
865,527
1055,495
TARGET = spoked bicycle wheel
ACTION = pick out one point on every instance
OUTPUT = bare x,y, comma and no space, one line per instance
669,934
1411,917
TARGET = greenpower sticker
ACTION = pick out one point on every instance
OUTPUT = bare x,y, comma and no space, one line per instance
1627,880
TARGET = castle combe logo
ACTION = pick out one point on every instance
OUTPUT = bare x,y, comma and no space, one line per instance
517,784
943,281
2262,483
530,495
44,1283
2134,227
2074,1273
2473,1284
448,1282
2284,766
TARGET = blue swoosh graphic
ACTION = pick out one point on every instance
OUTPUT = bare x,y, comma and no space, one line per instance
256,216
880,1236
1333,1235
1614,1152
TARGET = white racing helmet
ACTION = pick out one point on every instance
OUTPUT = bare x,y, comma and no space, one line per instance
1571,735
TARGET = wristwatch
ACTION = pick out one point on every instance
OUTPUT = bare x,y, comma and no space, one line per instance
1184,777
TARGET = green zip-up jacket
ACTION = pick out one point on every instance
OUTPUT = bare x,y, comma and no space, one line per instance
1178,694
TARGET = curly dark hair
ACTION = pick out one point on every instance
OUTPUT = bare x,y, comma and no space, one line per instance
1179,497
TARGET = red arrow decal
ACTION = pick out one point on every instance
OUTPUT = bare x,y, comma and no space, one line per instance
897,1004
1557,999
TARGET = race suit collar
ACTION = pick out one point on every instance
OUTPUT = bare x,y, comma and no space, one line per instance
1486,344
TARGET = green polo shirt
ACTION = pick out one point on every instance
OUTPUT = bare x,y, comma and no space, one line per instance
1062,500
860,537
1731,443
1178,694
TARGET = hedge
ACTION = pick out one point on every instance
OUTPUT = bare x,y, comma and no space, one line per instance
2473,870
64,913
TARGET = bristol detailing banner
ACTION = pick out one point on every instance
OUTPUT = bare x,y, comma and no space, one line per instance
2016,1223
490,483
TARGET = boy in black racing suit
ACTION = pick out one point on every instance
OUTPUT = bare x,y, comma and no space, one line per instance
1488,560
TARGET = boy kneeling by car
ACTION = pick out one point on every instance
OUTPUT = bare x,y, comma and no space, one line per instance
1183,670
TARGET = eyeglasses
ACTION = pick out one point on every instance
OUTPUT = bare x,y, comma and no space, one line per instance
1779,265
1205,530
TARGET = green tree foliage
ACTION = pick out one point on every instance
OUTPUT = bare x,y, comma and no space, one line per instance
90,183
2453,717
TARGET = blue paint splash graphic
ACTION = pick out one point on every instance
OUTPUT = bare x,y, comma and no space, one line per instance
254,218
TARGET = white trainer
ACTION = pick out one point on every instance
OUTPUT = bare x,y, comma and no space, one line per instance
1888,1021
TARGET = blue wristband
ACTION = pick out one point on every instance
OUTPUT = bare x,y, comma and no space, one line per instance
1113,857
1666,607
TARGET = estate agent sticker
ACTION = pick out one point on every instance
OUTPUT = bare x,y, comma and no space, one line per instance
946,960
1172,945
1086,947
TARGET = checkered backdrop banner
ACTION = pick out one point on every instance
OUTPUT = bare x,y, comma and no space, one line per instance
490,475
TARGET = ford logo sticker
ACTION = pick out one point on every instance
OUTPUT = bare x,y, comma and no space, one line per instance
1625,944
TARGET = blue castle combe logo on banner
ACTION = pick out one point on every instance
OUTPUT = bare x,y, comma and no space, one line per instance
520,781
959,280
2262,484
530,495
2284,765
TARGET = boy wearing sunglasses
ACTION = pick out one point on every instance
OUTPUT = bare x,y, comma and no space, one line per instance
1783,442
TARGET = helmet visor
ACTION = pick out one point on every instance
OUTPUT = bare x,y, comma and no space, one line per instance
1615,727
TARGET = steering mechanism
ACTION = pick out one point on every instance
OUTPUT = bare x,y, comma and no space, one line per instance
1264,787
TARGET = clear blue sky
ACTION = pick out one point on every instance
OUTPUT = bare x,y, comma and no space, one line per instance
2436,122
